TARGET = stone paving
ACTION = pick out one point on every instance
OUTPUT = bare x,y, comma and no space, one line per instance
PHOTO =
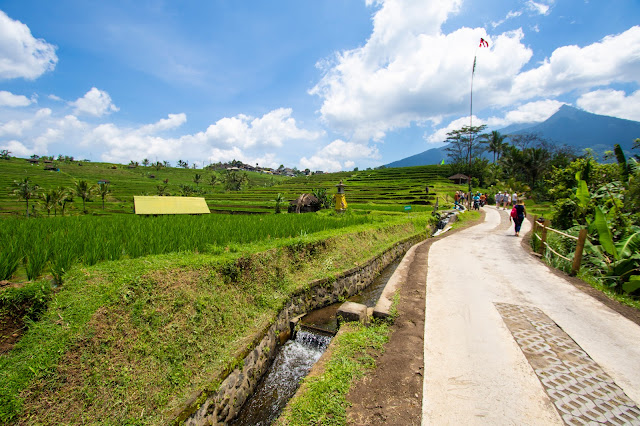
580,389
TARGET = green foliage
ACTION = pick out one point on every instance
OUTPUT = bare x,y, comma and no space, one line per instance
25,190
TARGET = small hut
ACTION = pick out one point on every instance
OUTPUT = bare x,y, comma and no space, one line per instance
459,178
305,203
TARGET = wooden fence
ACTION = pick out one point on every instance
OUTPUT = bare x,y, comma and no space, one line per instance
544,225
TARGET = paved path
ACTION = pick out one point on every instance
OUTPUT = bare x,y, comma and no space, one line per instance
509,342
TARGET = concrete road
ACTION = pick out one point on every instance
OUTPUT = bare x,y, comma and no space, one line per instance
483,366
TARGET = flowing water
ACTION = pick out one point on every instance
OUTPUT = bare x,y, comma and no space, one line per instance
293,361
296,357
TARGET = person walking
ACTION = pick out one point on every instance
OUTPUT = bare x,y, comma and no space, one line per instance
518,213
506,199
498,199
514,198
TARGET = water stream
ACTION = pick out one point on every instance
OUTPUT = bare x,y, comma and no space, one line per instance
293,361
295,358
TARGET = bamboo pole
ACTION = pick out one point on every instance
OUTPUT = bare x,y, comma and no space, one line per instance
577,257
543,238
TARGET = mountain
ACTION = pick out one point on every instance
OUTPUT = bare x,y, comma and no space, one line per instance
581,129
570,126
430,156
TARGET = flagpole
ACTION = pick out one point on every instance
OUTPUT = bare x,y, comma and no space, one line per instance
473,71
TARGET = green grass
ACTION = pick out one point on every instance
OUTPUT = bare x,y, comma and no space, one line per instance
322,399
63,241
129,341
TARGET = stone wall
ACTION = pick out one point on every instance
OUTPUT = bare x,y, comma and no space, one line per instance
223,405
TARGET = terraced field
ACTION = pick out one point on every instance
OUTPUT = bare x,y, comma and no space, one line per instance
383,189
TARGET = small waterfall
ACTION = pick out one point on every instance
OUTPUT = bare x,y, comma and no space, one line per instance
292,363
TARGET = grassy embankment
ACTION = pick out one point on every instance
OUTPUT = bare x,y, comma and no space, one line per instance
129,341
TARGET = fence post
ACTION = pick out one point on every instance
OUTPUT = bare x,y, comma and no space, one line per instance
543,237
577,257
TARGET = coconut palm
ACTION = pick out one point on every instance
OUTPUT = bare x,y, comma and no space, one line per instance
495,142
213,179
103,191
197,178
83,190
25,189
47,200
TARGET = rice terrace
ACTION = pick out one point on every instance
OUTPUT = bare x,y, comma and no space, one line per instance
114,317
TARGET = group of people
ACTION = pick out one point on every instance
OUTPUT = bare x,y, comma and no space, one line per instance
505,199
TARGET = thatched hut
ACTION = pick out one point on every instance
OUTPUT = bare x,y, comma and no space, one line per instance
305,203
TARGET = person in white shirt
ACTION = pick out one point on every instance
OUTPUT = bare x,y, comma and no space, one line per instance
514,199
498,199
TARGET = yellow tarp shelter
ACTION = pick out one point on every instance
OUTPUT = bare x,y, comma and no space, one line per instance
170,205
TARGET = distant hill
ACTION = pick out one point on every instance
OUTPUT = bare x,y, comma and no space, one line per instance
568,126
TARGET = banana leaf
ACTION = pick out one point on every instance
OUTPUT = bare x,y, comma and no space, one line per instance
632,285
604,234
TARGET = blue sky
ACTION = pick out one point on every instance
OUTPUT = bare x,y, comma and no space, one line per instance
326,85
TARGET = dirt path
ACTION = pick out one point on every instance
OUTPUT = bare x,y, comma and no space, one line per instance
501,345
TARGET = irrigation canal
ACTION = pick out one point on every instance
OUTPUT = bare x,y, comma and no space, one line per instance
295,358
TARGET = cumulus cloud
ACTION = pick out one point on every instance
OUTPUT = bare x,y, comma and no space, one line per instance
95,102
532,112
23,56
339,155
270,130
615,58
612,102
409,71
11,100
16,148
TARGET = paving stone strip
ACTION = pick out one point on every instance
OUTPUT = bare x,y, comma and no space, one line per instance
580,390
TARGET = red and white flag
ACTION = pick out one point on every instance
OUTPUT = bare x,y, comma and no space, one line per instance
483,43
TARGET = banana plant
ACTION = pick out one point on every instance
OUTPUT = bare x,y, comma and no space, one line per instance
620,259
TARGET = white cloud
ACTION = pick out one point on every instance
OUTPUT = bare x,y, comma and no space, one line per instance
11,100
17,149
23,56
440,135
615,58
270,130
532,112
95,102
510,15
55,98
538,7
612,102
339,155
409,71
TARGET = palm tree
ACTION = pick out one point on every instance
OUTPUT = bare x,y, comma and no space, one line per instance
59,196
213,179
279,200
495,142
162,190
48,201
197,178
103,191
25,189
83,190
